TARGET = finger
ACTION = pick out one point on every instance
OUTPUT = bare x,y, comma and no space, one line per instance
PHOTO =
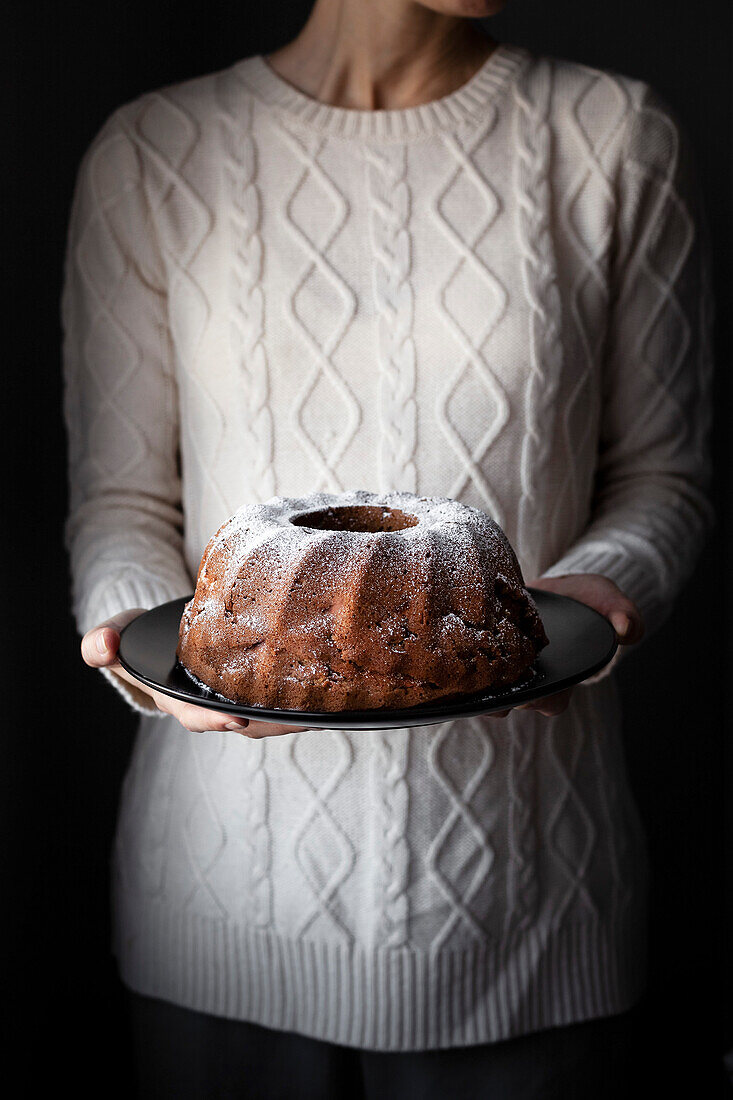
628,625
550,705
621,612
554,704
258,730
201,719
499,713
99,647
100,644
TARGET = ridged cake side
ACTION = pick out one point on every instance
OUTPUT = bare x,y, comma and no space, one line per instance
289,616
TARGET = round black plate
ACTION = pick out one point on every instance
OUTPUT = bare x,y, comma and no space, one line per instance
581,643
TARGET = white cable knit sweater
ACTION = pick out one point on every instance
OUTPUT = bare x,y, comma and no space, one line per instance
497,296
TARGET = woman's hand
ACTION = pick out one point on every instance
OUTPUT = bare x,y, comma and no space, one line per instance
99,649
604,596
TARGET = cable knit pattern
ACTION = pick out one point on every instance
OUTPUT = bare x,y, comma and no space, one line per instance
470,332
390,195
390,758
522,884
257,835
591,243
247,303
323,867
324,383
451,762
501,296
659,256
534,215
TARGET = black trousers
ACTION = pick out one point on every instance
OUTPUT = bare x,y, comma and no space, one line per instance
185,1055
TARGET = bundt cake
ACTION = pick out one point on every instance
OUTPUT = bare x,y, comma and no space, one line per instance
358,600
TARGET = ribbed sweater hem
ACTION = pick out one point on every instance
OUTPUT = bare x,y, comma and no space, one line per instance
389,999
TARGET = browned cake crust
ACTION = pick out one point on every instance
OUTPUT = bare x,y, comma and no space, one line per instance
358,600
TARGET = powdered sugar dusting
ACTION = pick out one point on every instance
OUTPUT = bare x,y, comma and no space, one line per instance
273,520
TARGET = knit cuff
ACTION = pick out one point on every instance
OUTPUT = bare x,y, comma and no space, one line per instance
633,576
121,595
138,699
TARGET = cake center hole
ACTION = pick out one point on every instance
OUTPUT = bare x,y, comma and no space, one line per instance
357,517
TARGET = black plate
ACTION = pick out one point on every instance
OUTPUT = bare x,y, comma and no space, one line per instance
581,643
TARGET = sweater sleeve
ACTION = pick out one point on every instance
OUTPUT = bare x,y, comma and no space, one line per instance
651,510
124,527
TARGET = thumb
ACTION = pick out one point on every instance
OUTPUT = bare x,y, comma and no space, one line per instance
628,626
622,613
100,644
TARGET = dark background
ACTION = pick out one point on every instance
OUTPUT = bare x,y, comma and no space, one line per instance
66,734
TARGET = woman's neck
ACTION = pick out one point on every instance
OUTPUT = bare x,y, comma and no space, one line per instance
380,54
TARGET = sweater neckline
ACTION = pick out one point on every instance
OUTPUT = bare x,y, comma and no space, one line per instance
467,103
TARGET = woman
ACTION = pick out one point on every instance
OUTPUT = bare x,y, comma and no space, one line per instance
393,254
